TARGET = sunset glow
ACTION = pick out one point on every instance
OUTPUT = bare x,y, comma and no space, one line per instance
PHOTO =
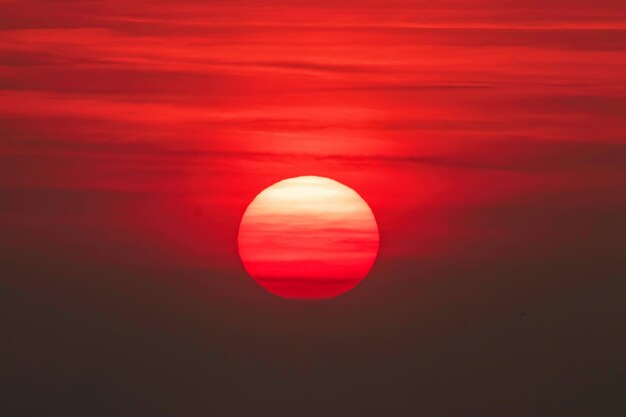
311,208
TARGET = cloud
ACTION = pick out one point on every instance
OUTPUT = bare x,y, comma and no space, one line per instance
506,155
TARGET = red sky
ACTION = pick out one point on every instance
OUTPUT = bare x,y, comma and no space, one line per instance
483,134
428,109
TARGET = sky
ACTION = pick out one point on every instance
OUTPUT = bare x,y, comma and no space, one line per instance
488,137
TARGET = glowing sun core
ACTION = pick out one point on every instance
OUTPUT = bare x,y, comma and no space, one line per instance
308,237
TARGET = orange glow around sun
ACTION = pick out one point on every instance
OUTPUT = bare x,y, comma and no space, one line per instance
308,238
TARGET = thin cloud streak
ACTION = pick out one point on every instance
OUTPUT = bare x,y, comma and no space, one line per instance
522,155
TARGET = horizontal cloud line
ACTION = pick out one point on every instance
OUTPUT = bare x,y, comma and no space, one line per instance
516,155
147,150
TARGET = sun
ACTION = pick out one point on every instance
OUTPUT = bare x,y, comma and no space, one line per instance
308,238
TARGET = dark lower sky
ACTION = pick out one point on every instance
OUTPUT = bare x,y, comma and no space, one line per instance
488,137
